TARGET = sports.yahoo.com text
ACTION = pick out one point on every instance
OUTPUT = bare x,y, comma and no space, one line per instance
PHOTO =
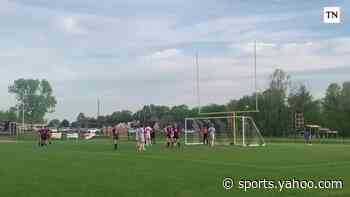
281,185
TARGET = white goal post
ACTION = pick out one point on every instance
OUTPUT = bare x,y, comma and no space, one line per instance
236,111
237,130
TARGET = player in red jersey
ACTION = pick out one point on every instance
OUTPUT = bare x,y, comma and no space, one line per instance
43,136
169,132
115,137
177,132
49,134
39,137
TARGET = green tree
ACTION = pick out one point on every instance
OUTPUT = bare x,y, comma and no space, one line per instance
213,108
9,115
345,109
82,121
64,123
273,106
280,81
232,105
74,124
179,112
345,96
35,96
102,121
119,116
55,123
332,106
153,113
301,100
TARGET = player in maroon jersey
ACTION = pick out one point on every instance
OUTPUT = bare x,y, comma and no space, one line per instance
177,132
115,136
169,132
43,136
49,134
153,136
39,137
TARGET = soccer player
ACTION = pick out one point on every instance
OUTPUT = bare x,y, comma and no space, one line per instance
307,136
137,136
140,138
39,137
211,132
148,131
205,134
177,131
169,135
115,136
49,135
153,133
43,135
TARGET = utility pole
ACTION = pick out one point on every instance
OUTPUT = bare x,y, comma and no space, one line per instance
198,90
255,81
23,111
98,112
98,107
23,117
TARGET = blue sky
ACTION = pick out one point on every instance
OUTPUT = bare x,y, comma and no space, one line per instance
131,53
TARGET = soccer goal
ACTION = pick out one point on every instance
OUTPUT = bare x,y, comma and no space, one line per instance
237,130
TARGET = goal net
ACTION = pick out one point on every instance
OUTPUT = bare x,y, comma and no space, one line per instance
237,130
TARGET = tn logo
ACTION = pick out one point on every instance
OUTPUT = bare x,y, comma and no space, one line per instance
331,14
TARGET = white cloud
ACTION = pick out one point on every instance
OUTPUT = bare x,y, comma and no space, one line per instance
116,40
340,46
167,53
249,47
304,56
72,25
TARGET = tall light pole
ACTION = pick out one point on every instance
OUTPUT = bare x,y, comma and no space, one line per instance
98,112
23,111
198,90
255,81
98,107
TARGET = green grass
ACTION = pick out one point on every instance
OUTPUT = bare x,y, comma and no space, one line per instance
92,168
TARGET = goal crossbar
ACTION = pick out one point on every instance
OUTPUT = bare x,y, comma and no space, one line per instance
215,117
228,112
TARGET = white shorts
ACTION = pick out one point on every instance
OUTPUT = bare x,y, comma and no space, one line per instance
212,136
141,139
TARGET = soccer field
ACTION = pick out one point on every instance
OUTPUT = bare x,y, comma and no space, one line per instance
93,168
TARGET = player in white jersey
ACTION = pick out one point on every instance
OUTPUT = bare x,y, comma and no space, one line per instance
137,136
148,131
140,138
211,132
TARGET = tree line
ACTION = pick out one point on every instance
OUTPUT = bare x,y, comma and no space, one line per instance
277,105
